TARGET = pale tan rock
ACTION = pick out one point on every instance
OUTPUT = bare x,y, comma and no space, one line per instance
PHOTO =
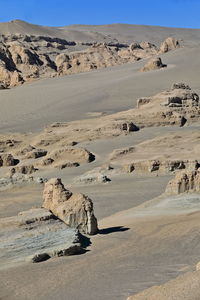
143,101
76,210
184,181
72,154
198,266
25,169
28,57
8,160
36,153
169,44
153,64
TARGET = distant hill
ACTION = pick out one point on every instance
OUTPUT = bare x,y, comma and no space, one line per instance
125,33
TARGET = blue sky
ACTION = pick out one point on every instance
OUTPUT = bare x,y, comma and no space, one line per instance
174,13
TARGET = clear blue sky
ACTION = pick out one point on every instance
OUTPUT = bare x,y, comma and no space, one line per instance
175,13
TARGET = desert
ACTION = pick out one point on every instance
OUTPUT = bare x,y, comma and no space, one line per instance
99,162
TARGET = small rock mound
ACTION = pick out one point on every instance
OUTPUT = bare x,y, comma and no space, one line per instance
76,210
153,64
169,44
7,160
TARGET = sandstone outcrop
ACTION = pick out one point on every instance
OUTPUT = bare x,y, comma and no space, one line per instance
153,64
164,166
36,153
169,44
28,57
184,181
24,169
7,160
76,210
71,155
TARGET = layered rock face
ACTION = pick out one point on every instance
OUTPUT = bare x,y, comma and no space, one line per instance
153,64
28,57
185,181
76,210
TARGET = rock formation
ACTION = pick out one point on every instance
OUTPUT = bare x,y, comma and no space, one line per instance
36,153
169,44
184,181
71,155
76,210
8,160
29,57
24,169
153,64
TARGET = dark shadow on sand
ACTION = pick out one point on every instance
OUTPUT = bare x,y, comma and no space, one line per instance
113,229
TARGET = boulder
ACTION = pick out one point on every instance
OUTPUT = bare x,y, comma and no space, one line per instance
3,86
71,155
7,160
169,44
76,210
153,64
37,153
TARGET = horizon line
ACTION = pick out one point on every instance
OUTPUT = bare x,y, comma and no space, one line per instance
103,24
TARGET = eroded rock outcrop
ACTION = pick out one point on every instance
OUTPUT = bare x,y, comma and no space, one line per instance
71,155
28,57
7,160
184,181
153,64
169,44
76,210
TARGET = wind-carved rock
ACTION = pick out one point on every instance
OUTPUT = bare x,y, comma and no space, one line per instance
76,210
153,64
184,181
169,44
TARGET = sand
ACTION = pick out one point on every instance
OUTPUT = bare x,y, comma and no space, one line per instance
134,250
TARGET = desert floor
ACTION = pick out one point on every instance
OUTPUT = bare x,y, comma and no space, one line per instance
136,248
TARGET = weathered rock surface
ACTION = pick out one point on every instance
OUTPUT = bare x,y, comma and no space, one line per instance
36,153
35,235
185,181
72,155
24,169
91,178
29,57
7,160
164,166
76,210
153,64
169,44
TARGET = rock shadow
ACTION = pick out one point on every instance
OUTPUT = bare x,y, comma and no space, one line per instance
113,229
85,242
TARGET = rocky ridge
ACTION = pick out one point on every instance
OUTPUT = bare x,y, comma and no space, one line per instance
27,57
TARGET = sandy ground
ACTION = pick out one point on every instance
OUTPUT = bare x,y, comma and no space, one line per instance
131,252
